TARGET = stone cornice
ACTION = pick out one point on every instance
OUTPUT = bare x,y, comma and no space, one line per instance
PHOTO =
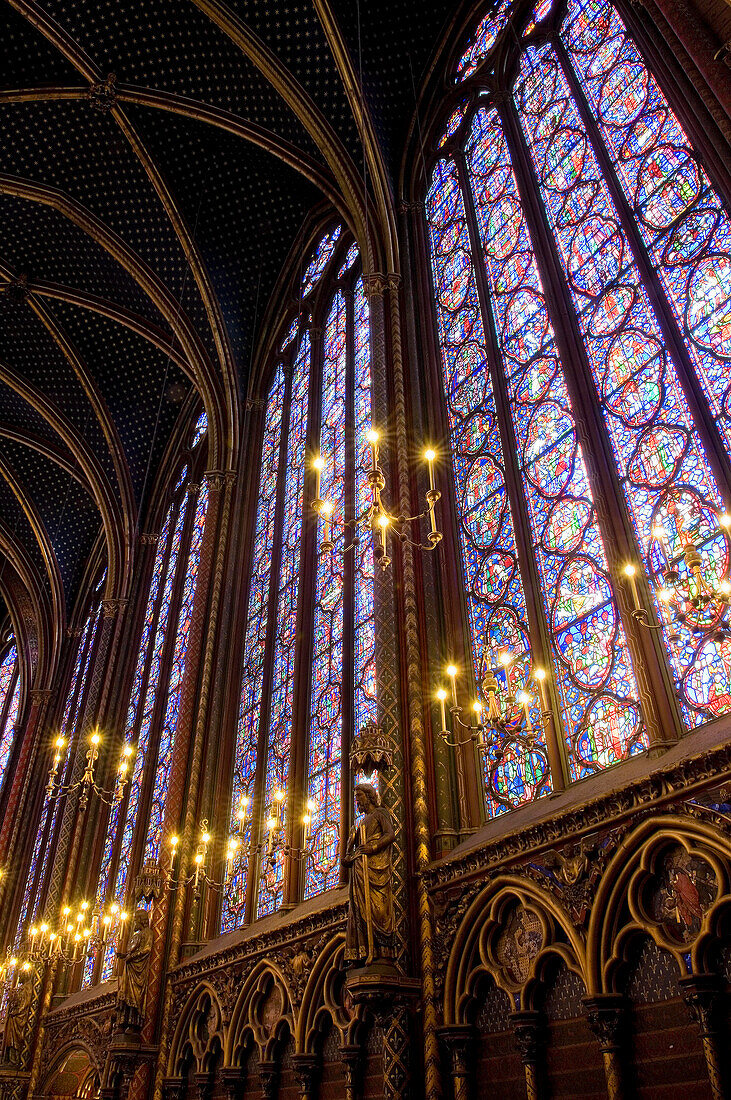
254,946
656,790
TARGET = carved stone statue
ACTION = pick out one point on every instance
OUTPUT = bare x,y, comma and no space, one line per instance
16,1020
370,930
133,971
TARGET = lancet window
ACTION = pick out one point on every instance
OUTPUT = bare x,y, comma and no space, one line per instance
10,685
580,265
135,825
309,622
67,752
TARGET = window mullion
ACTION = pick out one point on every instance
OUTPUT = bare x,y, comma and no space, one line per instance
526,559
257,806
659,702
704,422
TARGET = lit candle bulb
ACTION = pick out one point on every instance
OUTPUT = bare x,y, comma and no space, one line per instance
525,700
539,675
441,696
372,438
44,932
430,455
383,522
174,840
452,674
326,511
630,572
725,520
33,934
318,465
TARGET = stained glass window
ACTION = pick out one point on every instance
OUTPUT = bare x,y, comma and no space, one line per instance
201,427
152,714
279,735
255,635
306,601
175,682
319,261
136,739
69,729
629,219
323,788
9,706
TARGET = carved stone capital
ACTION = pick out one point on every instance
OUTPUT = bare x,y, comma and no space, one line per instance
41,696
193,489
393,282
701,996
268,1075
173,1088
74,631
113,607
149,538
204,1084
526,1034
604,1015
233,1081
255,404
306,1069
459,1041
374,286
217,479
103,95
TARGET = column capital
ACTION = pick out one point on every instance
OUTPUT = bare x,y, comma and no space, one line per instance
216,479
701,995
374,285
149,538
306,1068
525,1030
40,696
604,1013
113,607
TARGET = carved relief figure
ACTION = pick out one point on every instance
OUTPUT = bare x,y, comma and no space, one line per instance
16,1020
687,888
135,964
520,943
371,926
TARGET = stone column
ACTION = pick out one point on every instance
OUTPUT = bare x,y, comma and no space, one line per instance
700,993
526,1034
605,1016
459,1041
351,1055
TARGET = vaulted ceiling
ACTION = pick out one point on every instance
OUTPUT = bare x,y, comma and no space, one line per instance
160,161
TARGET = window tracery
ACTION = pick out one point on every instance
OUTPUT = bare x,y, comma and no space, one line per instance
579,252
134,828
320,637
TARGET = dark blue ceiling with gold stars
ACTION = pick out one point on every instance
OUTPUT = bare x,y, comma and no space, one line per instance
158,162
